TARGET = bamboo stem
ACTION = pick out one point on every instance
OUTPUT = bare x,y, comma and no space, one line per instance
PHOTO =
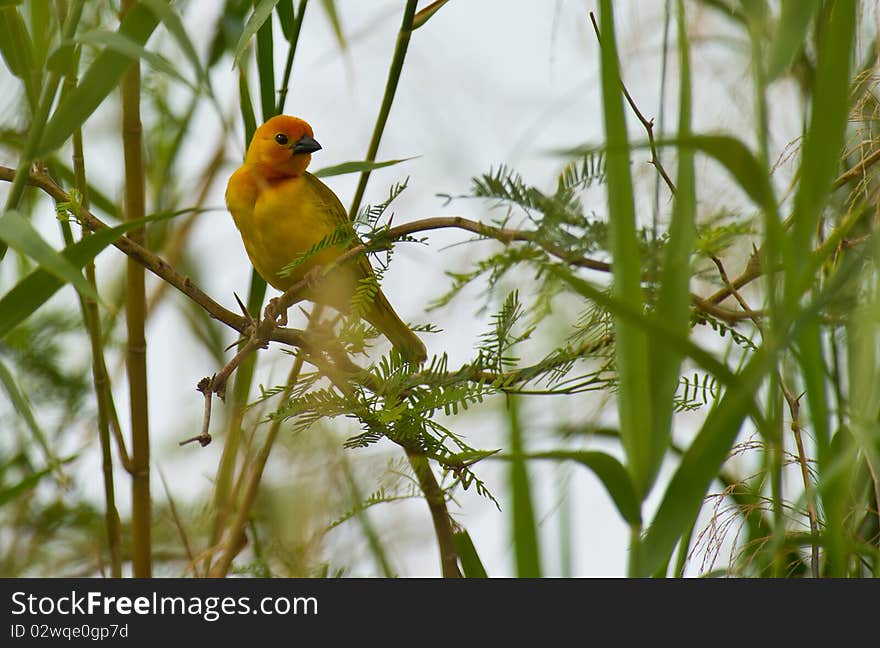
135,317
385,109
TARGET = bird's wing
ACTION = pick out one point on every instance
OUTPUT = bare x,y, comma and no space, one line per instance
337,213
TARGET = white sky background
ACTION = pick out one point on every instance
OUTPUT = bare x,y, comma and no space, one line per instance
485,82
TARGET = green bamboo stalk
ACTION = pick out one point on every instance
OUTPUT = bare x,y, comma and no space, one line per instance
249,483
135,315
385,109
291,51
89,308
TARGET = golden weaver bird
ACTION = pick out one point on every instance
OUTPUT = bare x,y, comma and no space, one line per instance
281,211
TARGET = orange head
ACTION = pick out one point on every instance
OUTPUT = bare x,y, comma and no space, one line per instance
282,147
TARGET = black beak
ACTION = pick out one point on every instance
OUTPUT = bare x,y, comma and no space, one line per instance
305,144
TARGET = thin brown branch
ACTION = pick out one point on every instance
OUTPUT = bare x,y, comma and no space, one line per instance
794,408
857,170
154,263
436,500
648,124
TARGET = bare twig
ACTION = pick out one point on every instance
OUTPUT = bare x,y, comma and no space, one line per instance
648,124
794,407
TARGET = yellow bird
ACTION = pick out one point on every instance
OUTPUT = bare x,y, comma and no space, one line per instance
281,211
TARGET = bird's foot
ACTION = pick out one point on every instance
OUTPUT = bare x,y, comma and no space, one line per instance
313,278
275,312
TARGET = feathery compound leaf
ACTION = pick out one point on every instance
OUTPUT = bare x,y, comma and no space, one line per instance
341,236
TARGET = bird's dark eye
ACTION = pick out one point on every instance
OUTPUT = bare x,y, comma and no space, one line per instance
281,138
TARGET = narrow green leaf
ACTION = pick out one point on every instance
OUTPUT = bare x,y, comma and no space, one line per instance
634,405
246,105
425,14
21,405
335,23
17,49
699,466
525,530
266,69
611,473
30,482
175,27
791,32
41,29
35,289
17,232
824,139
286,18
471,564
122,44
737,159
356,167
658,330
674,303
10,3
102,77
262,10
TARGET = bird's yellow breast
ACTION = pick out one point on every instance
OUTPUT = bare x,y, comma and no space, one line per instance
279,221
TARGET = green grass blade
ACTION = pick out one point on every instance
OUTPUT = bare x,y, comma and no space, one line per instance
102,78
791,32
122,44
525,530
286,18
424,15
266,68
248,117
660,332
700,466
17,49
357,167
674,301
824,138
611,473
17,232
823,142
262,10
471,564
634,405
21,405
175,27
335,23
739,162
36,288
11,493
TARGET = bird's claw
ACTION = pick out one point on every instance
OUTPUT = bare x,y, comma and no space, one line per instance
313,277
275,312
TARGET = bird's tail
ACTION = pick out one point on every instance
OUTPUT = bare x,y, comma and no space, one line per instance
407,343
